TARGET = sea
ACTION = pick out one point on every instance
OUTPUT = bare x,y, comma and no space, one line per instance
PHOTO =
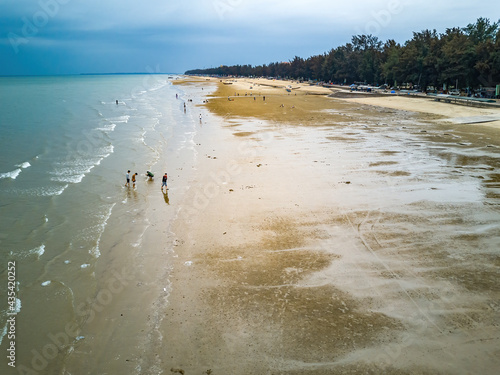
66,145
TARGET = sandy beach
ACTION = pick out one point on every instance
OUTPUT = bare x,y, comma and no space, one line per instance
328,236
317,235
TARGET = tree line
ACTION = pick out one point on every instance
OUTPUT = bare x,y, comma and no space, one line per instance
469,55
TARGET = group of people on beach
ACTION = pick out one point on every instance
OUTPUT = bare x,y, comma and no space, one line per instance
148,174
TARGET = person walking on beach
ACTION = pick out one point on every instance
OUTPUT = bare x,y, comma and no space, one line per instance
200,118
164,181
127,176
133,180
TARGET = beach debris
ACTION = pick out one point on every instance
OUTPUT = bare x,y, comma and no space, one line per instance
177,371
231,190
46,283
188,263
259,165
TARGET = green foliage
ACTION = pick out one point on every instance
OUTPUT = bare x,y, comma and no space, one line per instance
469,55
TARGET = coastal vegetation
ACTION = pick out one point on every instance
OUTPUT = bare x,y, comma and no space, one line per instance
467,56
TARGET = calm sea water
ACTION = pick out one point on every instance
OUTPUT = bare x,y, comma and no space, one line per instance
65,147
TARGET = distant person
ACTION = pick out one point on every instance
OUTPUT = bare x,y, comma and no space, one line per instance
127,176
150,175
164,181
264,98
200,118
116,101
133,179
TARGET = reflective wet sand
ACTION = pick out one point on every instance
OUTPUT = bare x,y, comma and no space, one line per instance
363,241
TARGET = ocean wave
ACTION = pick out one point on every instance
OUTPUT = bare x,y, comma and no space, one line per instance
3,332
72,179
12,175
38,192
119,119
107,128
24,165
74,171
38,251
49,192
16,310
96,251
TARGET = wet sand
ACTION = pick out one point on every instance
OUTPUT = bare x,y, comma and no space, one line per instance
330,236
324,236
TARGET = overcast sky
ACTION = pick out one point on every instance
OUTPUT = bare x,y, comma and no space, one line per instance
110,36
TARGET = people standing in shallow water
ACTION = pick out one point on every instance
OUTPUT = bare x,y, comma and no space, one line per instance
127,176
150,175
133,179
164,181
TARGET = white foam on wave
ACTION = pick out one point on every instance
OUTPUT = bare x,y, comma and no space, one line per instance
74,171
50,192
17,307
46,283
85,265
38,251
16,310
3,332
40,191
96,251
107,128
119,119
24,165
12,174
72,179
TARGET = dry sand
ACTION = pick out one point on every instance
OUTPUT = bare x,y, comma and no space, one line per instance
331,236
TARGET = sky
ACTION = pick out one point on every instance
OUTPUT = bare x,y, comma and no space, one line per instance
51,37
